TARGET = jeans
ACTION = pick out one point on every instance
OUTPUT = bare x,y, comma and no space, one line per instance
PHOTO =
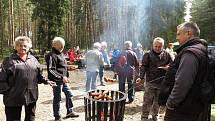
122,79
57,98
101,74
91,80
14,113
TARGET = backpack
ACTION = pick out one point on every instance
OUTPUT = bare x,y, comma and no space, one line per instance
207,87
122,65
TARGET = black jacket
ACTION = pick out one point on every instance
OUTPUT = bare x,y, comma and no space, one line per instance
23,78
150,63
190,103
56,66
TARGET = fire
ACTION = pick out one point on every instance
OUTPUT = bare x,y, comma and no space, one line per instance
101,95
102,116
109,79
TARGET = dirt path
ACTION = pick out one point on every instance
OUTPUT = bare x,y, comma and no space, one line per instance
44,104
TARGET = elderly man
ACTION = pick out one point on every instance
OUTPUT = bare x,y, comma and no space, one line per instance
154,64
185,74
57,71
94,60
126,67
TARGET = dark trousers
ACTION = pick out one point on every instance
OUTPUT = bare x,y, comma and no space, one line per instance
101,74
178,116
122,80
14,113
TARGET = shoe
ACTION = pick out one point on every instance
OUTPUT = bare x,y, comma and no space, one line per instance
144,119
72,114
58,119
102,85
128,102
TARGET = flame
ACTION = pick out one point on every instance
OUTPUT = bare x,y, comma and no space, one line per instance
102,116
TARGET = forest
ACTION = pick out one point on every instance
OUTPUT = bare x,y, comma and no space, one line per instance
83,22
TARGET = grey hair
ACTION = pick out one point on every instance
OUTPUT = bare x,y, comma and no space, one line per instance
158,39
190,26
139,45
96,45
58,40
22,38
128,44
104,44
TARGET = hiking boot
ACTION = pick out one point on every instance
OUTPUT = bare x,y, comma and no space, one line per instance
72,114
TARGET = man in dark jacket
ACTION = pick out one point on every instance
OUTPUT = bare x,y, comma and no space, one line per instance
154,65
57,71
185,74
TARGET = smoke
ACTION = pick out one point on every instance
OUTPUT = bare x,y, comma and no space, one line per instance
138,21
123,20
188,6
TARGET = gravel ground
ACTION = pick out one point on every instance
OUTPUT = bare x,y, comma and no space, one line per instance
77,78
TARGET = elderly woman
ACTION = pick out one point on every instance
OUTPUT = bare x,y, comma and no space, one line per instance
22,74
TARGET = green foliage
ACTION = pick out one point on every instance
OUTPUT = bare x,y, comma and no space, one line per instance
79,12
50,14
6,53
203,14
165,16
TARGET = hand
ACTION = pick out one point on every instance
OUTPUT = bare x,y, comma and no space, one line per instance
52,83
169,107
65,79
138,80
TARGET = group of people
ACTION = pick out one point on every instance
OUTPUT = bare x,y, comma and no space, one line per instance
172,83
75,56
169,81
96,60
21,72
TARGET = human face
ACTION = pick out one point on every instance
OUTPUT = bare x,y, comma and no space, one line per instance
157,47
22,47
59,47
182,36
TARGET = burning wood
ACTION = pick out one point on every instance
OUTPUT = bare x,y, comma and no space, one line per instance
109,79
101,95
72,67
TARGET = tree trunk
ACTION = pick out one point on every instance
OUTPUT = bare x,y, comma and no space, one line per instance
1,28
11,23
